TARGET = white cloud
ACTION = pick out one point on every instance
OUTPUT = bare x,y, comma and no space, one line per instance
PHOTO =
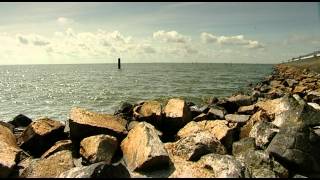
64,20
238,40
171,37
35,39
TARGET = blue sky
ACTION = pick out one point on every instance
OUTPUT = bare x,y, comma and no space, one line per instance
83,32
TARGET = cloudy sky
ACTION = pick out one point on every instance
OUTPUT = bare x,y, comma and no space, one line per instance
67,33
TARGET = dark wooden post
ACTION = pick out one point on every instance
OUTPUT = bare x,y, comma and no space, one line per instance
119,63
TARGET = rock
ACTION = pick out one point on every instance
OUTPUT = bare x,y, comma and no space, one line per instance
195,110
42,133
125,110
223,166
299,90
97,170
220,129
313,96
149,111
216,113
98,148
263,132
84,123
177,114
240,100
132,124
200,117
8,125
20,121
299,176
58,146
243,145
143,150
247,109
192,147
8,156
258,116
237,118
212,100
290,82
314,105
21,167
50,167
189,169
296,144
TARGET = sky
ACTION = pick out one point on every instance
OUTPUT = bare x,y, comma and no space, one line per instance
147,32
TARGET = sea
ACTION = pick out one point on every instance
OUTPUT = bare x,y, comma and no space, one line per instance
52,90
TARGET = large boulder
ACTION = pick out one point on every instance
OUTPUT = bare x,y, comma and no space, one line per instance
243,145
296,145
85,123
149,111
98,148
40,135
177,114
51,166
58,146
20,121
256,117
263,132
143,150
216,113
220,129
97,170
192,147
125,110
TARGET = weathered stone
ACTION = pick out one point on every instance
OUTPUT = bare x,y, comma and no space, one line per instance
149,111
314,105
97,170
195,110
8,125
290,82
21,167
243,145
177,114
247,109
7,137
125,110
98,148
237,118
142,148
220,129
196,145
313,96
8,156
223,166
212,100
132,124
299,176
50,167
299,89
20,121
42,134
58,146
200,117
263,132
84,123
189,169
216,113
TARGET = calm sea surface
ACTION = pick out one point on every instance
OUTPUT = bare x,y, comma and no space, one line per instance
52,90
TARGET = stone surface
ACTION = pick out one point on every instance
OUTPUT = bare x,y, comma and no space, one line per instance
247,109
97,170
143,150
314,105
8,125
237,118
20,121
220,129
243,145
51,166
98,148
41,133
8,156
192,147
216,113
85,123
125,110
200,117
149,111
58,146
263,132
177,114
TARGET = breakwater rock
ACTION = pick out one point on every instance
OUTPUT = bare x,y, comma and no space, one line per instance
272,131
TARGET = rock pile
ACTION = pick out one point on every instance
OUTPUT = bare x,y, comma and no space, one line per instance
274,131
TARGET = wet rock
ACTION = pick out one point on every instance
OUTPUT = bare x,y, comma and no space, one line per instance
143,150
237,118
125,110
247,109
50,167
58,146
220,129
192,147
98,148
200,117
177,114
216,113
243,145
263,132
223,166
42,134
20,121
97,170
85,123
149,111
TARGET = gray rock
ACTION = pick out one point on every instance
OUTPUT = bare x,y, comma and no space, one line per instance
243,145
237,118
263,132
200,117
247,109
216,113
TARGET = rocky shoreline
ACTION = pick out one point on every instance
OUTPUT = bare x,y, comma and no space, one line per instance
274,131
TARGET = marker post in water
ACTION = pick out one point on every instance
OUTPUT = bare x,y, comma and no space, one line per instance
119,63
